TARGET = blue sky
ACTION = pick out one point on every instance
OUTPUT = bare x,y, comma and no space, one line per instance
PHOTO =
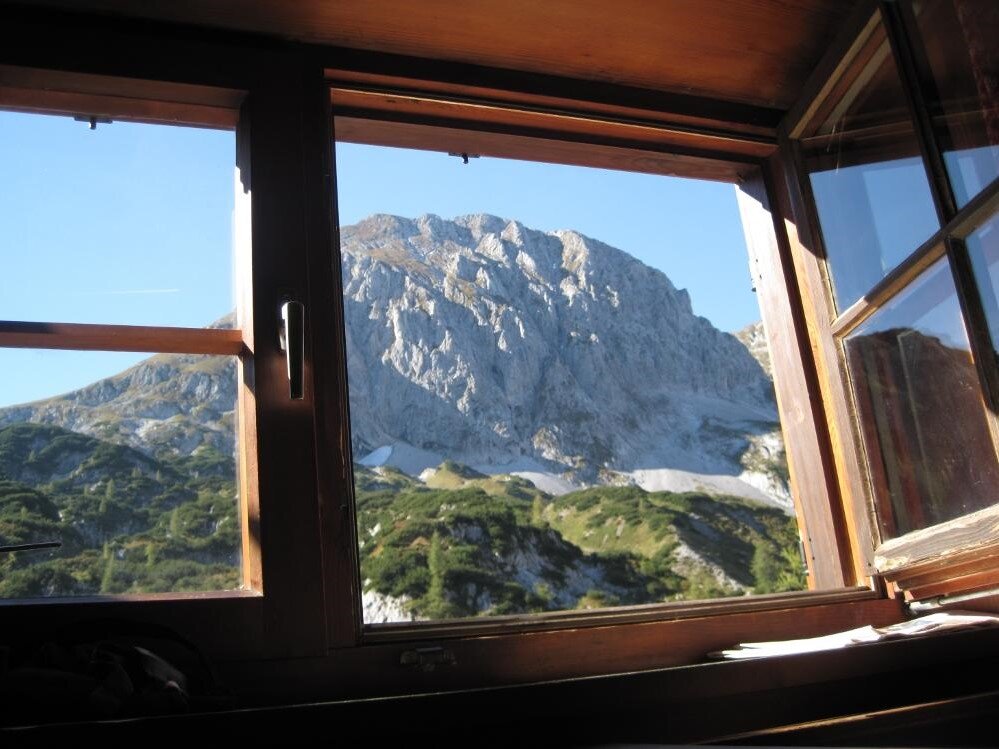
131,224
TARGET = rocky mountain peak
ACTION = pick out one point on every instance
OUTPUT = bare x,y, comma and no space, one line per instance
496,344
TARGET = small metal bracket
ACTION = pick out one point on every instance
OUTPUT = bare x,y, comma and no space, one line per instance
464,156
427,659
92,121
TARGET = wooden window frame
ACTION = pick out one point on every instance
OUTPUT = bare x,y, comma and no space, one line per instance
373,105
301,620
174,78
958,556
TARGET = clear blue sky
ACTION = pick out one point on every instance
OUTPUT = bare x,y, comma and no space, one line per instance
131,224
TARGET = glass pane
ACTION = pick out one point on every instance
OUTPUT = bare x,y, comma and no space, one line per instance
929,449
863,161
541,421
125,224
983,248
959,52
132,472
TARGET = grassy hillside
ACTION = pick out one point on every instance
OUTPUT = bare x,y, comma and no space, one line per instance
126,522
466,544
460,544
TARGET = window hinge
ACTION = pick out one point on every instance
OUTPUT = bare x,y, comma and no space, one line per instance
932,604
427,659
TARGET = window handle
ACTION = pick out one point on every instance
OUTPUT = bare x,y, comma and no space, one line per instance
292,335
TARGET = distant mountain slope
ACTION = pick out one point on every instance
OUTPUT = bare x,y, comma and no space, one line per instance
167,405
569,435
509,349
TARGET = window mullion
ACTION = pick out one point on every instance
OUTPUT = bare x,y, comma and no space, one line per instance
978,332
898,33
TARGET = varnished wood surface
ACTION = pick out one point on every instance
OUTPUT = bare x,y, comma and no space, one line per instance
519,658
899,278
496,113
813,484
801,227
451,136
334,456
422,631
383,71
754,51
703,703
844,51
956,721
294,619
67,93
53,335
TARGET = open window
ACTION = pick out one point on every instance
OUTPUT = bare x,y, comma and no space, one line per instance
496,397
302,593
895,161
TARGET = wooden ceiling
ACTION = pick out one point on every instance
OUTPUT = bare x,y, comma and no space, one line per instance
750,51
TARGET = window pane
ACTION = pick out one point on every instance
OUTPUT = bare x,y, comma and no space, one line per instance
983,248
133,472
125,224
866,173
541,421
959,49
929,449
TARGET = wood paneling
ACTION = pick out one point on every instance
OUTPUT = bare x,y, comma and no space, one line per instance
754,51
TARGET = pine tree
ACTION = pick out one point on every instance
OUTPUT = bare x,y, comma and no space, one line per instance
436,603
107,579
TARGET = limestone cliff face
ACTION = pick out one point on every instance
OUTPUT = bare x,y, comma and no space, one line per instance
496,345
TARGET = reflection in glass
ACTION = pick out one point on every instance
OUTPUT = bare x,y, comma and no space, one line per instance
132,476
863,161
920,405
960,57
983,249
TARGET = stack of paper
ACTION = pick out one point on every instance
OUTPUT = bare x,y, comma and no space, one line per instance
944,620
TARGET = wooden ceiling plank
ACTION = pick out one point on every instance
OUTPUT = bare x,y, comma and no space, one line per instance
756,52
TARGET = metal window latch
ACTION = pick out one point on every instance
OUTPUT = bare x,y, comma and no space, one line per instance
427,659
291,333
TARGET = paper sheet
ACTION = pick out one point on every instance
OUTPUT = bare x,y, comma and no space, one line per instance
940,621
